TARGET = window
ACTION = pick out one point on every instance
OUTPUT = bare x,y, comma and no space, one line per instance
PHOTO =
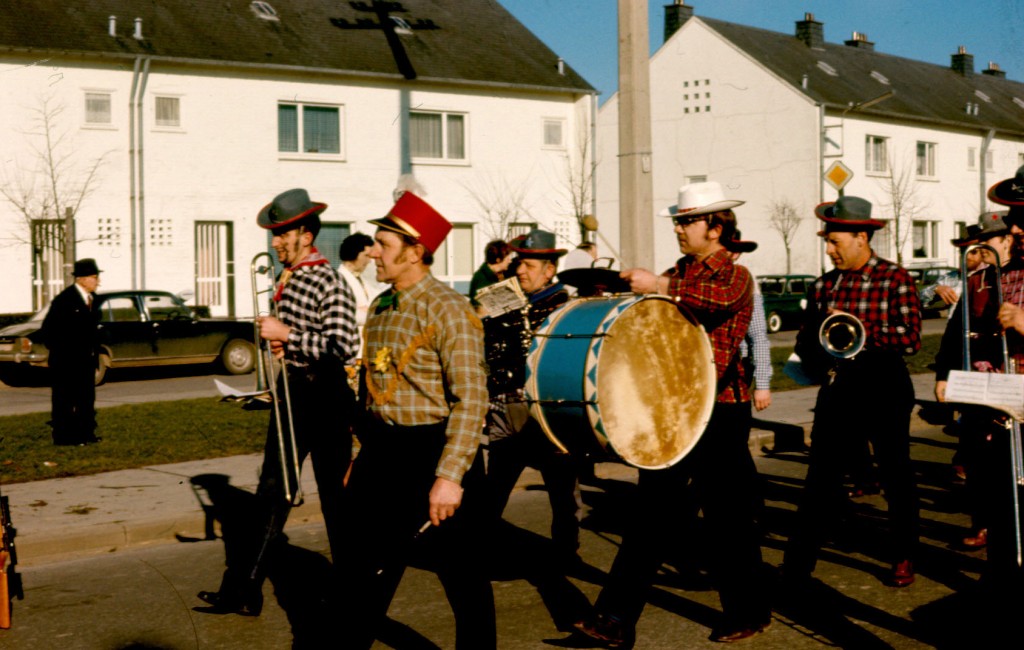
925,238
120,310
453,260
696,179
166,308
881,242
972,158
926,159
437,136
264,11
308,128
168,111
554,130
875,156
97,108
990,160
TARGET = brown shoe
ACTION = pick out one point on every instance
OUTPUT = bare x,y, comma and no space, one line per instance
978,540
902,574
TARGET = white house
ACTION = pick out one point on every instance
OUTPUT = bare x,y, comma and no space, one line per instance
192,116
767,114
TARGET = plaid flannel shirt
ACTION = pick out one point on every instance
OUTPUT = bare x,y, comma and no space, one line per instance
881,294
321,311
444,377
720,294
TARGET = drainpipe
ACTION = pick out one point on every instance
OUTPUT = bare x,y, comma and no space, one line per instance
593,154
986,142
405,157
133,236
821,177
140,196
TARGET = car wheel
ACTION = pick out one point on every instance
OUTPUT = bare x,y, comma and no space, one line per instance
102,365
238,356
774,322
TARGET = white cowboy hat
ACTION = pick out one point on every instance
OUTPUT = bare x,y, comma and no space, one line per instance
699,198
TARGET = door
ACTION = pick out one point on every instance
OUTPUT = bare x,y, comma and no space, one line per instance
215,267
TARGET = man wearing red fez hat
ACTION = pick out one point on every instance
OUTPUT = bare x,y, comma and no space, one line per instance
418,476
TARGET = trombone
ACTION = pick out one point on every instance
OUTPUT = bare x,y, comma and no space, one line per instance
1016,455
280,398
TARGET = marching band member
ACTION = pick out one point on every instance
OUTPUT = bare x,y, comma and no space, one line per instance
720,470
425,395
516,439
316,336
870,393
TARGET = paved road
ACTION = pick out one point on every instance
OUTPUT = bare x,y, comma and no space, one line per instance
143,598
128,386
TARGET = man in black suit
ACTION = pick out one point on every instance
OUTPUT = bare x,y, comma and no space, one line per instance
71,334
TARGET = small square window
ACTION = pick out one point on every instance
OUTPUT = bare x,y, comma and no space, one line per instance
696,109
168,111
97,108
554,135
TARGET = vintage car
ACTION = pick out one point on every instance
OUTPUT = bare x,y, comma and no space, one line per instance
139,328
784,299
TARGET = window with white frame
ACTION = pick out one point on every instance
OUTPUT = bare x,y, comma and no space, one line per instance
876,154
308,128
437,136
990,160
924,238
926,159
97,108
881,241
168,111
554,133
972,158
453,259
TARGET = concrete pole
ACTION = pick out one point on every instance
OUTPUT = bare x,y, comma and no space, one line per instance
636,212
69,246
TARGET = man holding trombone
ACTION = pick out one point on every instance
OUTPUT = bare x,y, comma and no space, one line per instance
861,318
312,331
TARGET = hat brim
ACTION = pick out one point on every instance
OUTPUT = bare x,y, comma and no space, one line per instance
718,206
741,246
1002,194
540,252
966,241
826,212
263,219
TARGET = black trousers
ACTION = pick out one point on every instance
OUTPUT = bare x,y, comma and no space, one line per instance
508,457
386,503
73,401
871,396
719,476
322,408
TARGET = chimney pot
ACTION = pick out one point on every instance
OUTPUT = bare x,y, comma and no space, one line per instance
112,25
138,29
993,70
860,40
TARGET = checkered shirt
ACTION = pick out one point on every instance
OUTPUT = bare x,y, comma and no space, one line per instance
720,295
881,294
755,344
321,310
444,378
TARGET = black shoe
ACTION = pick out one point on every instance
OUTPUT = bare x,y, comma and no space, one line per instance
734,634
607,632
222,602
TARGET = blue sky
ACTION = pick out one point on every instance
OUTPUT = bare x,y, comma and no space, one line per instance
585,32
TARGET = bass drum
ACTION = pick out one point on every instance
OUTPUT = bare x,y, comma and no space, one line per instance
625,378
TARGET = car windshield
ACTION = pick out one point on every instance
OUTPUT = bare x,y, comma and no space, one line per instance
772,286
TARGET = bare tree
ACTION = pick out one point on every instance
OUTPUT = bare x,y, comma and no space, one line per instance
579,179
56,182
901,198
784,219
501,202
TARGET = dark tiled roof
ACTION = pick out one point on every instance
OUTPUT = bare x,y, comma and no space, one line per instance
923,91
474,41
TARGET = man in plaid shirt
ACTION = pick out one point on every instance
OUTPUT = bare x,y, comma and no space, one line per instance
315,333
719,474
870,394
418,476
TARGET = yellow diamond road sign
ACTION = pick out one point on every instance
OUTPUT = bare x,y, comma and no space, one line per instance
838,175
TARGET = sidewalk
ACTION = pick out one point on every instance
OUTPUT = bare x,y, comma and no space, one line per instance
63,518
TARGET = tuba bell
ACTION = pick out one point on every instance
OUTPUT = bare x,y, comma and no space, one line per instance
842,335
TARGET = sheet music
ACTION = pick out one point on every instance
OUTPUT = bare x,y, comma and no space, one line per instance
500,298
996,390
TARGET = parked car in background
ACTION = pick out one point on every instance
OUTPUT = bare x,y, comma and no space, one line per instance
139,328
926,277
785,297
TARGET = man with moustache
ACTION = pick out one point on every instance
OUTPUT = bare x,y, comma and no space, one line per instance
315,336
417,483
870,392
718,476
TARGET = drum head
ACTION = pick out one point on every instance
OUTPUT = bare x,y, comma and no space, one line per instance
655,380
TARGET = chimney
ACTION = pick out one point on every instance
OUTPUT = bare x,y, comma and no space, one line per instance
675,15
138,29
811,32
993,70
860,40
112,25
963,62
